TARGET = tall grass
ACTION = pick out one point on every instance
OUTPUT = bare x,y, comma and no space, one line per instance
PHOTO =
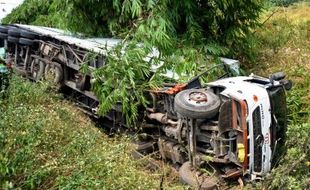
45,143
283,44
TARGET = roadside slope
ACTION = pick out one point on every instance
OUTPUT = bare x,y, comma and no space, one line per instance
46,143
283,44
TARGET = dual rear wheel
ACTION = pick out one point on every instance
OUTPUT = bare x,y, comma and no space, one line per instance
51,71
18,36
36,68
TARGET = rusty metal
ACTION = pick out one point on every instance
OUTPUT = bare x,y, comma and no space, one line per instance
154,101
174,90
191,126
171,150
26,58
198,97
76,56
162,118
176,132
233,173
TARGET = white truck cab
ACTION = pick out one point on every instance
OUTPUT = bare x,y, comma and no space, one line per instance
238,122
258,119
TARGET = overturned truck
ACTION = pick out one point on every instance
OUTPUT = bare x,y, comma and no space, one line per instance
228,128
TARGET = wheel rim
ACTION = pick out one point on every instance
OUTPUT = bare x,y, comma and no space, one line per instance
53,73
36,70
198,98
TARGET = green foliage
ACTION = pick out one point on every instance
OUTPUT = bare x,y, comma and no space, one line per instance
281,44
294,169
184,40
292,57
186,33
45,143
283,28
298,104
197,29
125,80
31,11
284,2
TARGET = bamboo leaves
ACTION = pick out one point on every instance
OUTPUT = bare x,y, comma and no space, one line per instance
189,35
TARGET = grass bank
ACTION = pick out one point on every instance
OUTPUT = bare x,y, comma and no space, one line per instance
283,44
46,143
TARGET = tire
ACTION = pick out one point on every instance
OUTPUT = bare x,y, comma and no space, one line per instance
197,103
14,32
13,39
188,176
288,84
3,36
37,69
58,72
25,41
4,29
28,34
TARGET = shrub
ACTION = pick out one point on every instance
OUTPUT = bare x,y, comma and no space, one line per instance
294,169
284,2
186,33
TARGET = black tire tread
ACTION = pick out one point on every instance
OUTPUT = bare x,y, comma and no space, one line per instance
40,72
14,32
3,36
13,39
4,29
25,41
28,34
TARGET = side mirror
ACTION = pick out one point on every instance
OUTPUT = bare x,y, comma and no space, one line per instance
277,76
287,84
233,65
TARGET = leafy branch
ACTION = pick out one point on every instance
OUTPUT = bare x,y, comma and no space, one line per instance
188,34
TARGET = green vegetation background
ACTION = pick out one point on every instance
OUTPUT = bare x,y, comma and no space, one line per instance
44,145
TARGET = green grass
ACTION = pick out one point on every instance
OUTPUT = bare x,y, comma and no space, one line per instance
284,46
46,143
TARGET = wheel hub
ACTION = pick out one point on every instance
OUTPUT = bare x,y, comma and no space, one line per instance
198,97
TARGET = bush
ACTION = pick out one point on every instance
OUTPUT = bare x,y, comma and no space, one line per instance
186,33
294,169
284,2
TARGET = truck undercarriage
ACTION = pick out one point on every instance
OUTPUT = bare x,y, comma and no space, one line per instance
224,129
